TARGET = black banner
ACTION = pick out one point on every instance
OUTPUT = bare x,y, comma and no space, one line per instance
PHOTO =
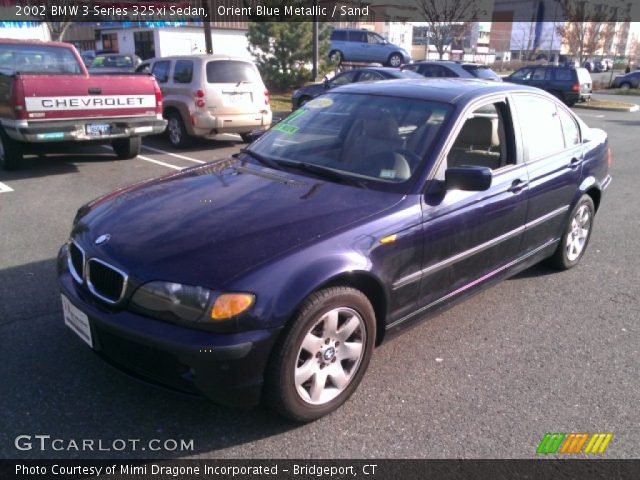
319,469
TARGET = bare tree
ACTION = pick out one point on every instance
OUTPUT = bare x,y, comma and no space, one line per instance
588,27
448,20
57,24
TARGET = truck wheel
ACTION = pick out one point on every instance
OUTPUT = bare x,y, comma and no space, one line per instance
10,152
322,356
126,148
176,131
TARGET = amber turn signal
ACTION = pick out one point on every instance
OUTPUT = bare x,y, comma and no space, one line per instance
229,305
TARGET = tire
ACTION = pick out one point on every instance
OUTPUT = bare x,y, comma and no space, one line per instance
291,386
126,148
575,237
336,57
11,152
246,137
625,86
570,103
177,132
394,60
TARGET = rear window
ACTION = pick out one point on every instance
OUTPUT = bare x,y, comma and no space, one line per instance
122,61
563,74
183,71
231,71
38,59
481,72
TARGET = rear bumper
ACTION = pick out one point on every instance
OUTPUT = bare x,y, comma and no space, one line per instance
75,130
204,124
226,368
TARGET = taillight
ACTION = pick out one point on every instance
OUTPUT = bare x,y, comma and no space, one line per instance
609,157
266,96
158,93
17,99
575,87
200,102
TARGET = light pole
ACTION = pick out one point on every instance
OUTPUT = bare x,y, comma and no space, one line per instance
315,40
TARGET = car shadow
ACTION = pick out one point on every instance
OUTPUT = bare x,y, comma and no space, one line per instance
53,384
538,270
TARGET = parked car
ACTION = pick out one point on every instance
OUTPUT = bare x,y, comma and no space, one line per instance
359,45
444,68
595,66
50,97
607,64
362,213
627,81
206,95
114,63
566,83
369,74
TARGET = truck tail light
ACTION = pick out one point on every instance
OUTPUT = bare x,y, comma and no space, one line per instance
609,157
266,96
158,93
17,99
200,102
575,87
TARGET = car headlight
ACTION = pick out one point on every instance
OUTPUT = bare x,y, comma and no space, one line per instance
189,303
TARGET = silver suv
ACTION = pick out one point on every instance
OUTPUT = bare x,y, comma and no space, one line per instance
206,95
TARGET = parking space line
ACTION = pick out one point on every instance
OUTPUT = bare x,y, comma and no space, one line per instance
183,157
158,162
5,188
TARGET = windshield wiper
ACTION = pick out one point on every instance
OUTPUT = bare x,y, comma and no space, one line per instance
260,158
326,172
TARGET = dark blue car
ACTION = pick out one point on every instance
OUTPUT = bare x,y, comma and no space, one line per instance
273,275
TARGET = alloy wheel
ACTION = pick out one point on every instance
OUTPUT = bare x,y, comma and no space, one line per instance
577,237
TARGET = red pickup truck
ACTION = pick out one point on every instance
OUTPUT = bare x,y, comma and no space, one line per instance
47,95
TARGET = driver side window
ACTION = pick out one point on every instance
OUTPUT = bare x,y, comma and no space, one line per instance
343,79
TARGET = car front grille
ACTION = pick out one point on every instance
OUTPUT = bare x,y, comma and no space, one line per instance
105,281
76,262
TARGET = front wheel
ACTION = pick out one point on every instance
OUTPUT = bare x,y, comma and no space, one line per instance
576,235
625,86
126,148
320,360
395,60
336,57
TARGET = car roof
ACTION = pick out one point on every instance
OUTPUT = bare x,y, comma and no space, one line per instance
205,56
447,90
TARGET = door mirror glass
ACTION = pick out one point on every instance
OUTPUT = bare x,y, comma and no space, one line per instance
474,179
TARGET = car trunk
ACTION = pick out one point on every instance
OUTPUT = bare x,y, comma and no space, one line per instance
234,87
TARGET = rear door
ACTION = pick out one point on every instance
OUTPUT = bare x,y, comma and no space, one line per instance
234,87
553,153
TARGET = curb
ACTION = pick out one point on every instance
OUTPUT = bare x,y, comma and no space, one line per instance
631,108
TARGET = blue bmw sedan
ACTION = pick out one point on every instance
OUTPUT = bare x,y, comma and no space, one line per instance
273,274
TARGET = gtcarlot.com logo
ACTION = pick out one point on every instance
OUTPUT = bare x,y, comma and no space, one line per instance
48,443
570,443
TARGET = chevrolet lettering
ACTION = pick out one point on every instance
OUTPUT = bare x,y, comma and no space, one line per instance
364,212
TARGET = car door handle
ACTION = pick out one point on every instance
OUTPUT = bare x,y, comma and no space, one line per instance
518,185
574,163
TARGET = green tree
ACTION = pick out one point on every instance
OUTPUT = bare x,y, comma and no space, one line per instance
284,52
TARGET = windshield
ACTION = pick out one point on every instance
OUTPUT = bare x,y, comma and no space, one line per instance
38,59
111,61
380,141
480,71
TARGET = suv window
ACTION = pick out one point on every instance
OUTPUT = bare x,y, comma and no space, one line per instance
547,138
563,74
374,38
160,70
183,71
231,71
357,36
540,74
339,35
522,74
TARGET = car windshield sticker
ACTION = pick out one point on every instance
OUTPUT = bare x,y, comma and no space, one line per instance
286,128
388,174
319,103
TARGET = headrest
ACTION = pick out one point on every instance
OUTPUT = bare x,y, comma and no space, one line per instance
479,132
380,127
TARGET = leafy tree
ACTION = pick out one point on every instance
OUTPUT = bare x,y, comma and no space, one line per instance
284,52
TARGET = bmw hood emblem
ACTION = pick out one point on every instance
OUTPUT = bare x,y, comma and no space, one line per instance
102,239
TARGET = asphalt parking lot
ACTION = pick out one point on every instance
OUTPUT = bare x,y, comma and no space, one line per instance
541,352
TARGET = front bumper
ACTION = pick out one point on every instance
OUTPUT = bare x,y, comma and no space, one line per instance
206,124
75,130
226,368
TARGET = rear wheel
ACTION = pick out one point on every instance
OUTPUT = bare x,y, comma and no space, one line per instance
336,57
11,152
576,235
126,148
395,60
321,358
177,132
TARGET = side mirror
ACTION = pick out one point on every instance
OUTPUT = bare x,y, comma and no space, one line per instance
474,179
